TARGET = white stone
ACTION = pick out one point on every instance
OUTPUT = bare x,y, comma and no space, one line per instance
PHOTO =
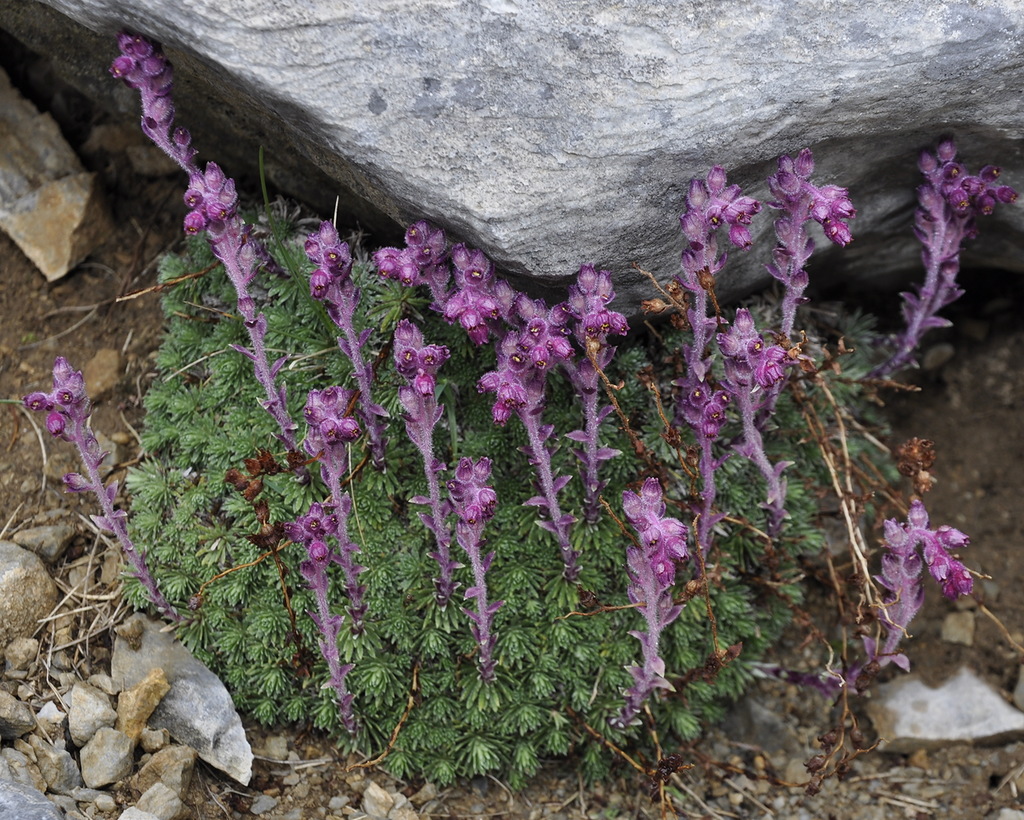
376,801
137,814
908,715
162,802
958,627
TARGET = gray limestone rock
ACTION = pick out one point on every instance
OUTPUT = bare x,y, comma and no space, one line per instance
48,542
90,711
551,134
162,802
27,592
16,718
137,814
173,766
16,766
106,758
56,765
20,802
49,205
20,653
908,715
197,711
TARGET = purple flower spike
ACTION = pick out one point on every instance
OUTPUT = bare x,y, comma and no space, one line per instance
950,201
474,503
314,531
593,323
328,436
212,201
801,201
901,576
525,357
331,283
142,66
752,368
705,411
710,205
68,409
418,363
652,569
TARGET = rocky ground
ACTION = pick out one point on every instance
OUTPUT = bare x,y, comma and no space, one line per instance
72,727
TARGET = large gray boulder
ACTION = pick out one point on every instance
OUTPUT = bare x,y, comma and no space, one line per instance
552,133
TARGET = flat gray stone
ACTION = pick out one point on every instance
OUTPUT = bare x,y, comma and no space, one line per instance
48,542
552,134
20,802
197,711
16,718
137,814
56,765
908,715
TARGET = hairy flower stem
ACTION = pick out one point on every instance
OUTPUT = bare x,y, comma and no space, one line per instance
329,435
444,583
588,305
658,613
558,522
351,346
418,363
474,503
942,236
753,448
587,388
329,625
707,519
117,524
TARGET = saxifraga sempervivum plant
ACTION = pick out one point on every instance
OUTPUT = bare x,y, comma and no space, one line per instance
501,689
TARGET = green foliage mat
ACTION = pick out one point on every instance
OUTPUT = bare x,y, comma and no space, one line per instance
553,672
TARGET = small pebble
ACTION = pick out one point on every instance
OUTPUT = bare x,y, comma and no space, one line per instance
262,804
105,802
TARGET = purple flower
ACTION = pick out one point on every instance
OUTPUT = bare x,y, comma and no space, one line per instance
901,576
331,283
950,201
68,409
480,303
418,363
525,357
474,502
213,203
592,324
651,567
423,260
751,365
799,201
314,531
142,66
